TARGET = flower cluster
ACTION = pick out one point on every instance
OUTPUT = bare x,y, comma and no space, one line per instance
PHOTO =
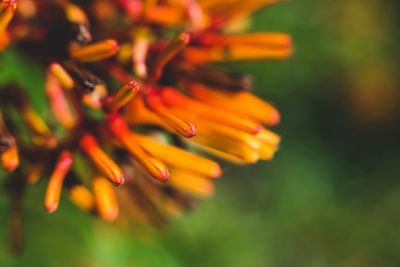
135,93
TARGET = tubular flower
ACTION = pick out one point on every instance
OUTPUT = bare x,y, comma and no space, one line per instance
131,102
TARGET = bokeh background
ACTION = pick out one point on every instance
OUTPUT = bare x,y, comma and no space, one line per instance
331,197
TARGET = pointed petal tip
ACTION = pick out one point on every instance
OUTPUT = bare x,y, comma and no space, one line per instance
275,118
110,216
164,176
217,172
11,166
118,181
190,131
51,207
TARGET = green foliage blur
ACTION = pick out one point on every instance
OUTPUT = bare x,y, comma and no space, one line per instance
331,197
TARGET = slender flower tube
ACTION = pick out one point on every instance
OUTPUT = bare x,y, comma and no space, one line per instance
53,191
106,165
105,199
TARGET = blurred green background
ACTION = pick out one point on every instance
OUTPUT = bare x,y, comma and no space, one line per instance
331,197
